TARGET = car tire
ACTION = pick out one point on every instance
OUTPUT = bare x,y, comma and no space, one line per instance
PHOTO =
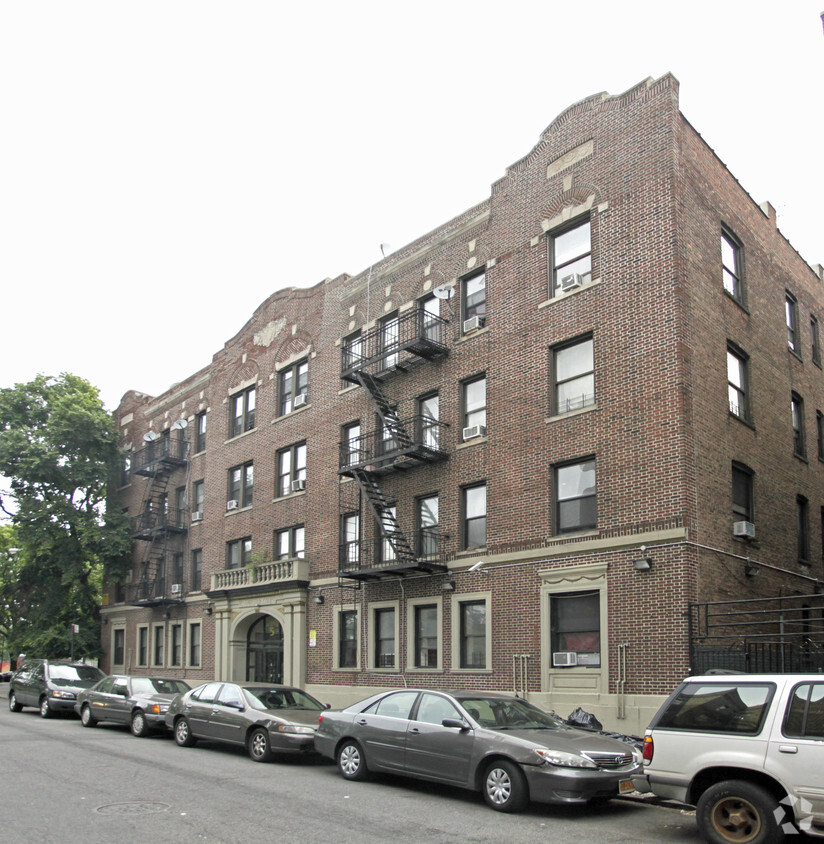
14,706
139,725
351,761
183,733
45,709
86,717
738,811
258,745
504,787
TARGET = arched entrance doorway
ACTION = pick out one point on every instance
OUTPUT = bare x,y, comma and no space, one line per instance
264,651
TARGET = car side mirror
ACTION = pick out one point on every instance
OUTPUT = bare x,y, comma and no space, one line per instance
455,723
327,705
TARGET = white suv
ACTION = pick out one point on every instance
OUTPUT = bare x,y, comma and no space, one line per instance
747,750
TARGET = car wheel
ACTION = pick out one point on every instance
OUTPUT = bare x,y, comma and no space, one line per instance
183,734
45,711
351,761
258,745
86,717
14,706
504,787
740,812
140,726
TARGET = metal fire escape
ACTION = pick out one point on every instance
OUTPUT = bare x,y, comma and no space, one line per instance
395,446
157,525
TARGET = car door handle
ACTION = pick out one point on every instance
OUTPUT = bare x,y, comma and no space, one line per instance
787,748
361,722
414,731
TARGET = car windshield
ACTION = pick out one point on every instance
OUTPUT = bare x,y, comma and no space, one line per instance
263,698
74,675
496,713
158,685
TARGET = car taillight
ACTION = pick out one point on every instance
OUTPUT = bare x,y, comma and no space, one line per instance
649,749
320,718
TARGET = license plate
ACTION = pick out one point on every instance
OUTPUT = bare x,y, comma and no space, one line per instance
624,786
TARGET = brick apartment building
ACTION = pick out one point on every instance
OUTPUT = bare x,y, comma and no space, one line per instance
512,455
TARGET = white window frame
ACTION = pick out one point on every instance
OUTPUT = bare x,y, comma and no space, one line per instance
457,600
189,662
337,610
372,636
411,604
142,663
577,679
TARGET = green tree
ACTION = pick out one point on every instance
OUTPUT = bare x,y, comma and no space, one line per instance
58,447
10,563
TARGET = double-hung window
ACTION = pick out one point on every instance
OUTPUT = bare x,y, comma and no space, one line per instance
200,432
194,644
384,637
348,639
197,569
574,375
426,650
239,553
742,493
289,543
473,290
352,351
570,258
575,496
575,627
351,445
802,513
198,497
472,633
429,313
291,463
731,265
428,526
350,540
797,415
428,414
294,387
389,337
474,517
791,318
815,341
387,534
241,484
738,382
176,645
242,412
474,407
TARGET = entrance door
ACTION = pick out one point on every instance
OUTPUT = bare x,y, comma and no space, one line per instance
264,651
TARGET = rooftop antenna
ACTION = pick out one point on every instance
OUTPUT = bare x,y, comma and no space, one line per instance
383,248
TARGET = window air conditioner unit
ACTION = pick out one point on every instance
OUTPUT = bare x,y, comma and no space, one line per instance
298,485
474,431
564,659
472,323
232,504
743,529
177,588
300,400
197,516
571,281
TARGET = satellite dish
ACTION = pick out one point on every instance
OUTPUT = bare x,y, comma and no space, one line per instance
150,436
443,292
180,425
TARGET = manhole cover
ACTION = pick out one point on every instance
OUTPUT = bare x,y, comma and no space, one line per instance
132,808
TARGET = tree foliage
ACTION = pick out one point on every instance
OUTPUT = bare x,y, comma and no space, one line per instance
58,447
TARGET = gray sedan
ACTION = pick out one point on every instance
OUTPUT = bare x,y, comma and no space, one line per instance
500,745
136,700
264,717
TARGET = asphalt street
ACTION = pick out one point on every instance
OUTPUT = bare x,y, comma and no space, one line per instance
62,782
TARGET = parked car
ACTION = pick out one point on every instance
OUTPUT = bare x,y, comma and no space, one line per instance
139,701
502,746
266,718
746,750
50,685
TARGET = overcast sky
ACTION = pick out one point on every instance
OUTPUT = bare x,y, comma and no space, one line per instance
165,166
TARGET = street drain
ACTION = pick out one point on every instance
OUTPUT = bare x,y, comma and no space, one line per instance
132,808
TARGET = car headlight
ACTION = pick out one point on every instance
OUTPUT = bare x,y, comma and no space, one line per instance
159,708
294,728
64,695
562,759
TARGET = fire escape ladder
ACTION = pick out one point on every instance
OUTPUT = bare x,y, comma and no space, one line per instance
393,429
380,506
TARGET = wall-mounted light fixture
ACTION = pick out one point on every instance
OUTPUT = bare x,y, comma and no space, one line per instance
318,599
750,569
207,611
448,586
642,563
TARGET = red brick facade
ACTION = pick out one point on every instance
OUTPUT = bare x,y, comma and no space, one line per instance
643,458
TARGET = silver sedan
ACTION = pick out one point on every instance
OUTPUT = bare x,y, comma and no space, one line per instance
500,745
